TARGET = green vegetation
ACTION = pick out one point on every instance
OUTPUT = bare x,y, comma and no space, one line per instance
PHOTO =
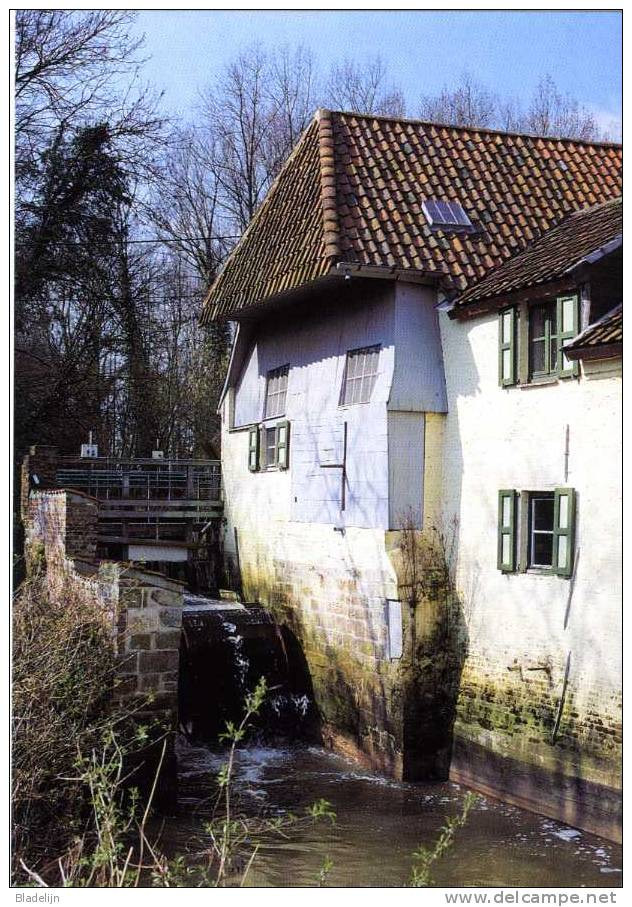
78,820
424,857
73,807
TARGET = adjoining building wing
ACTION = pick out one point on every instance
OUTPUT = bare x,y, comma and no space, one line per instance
583,238
601,340
405,198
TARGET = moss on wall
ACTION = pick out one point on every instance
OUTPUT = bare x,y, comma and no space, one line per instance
398,712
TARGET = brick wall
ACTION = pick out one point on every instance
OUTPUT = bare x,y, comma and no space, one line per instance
64,523
39,470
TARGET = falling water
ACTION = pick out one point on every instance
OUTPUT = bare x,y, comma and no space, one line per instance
226,649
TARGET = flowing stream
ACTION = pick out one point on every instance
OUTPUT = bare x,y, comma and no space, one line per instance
379,822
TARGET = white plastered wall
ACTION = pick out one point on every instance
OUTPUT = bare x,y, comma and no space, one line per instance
535,438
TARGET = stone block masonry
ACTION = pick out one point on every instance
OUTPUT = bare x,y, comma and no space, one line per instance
148,641
380,710
144,609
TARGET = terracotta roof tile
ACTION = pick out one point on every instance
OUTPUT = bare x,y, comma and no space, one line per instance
551,256
352,191
606,332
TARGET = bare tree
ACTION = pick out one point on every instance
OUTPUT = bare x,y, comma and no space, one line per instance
551,113
363,88
65,62
68,67
467,104
509,115
186,204
291,95
236,112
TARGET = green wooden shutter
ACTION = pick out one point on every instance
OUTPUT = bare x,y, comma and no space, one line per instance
253,449
567,327
507,530
563,530
507,347
283,445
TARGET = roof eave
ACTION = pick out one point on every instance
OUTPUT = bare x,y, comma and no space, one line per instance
602,252
475,307
339,271
601,351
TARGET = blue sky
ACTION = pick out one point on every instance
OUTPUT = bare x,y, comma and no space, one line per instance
424,50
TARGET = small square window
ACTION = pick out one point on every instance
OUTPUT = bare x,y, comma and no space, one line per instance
276,392
541,529
360,375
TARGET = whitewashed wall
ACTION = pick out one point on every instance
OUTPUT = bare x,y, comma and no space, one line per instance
384,454
535,438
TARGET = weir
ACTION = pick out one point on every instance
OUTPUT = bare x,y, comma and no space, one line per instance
226,647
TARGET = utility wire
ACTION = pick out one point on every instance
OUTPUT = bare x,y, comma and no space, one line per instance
101,242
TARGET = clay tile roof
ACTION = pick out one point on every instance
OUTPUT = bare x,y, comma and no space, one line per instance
554,253
605,333
352,190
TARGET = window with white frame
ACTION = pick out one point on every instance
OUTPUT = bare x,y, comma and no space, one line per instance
536,531
276,392
360,375
269,447
541,529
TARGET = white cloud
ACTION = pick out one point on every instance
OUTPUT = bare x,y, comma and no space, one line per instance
608,120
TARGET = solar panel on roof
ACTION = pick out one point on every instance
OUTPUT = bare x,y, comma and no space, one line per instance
446,215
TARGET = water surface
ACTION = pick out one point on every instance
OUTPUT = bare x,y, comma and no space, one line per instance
379,824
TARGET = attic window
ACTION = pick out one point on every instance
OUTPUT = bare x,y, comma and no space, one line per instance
443,215
276,392
360,375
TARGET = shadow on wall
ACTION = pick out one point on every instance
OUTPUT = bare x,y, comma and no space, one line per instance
435,651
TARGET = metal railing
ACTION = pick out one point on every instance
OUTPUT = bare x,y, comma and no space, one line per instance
109,479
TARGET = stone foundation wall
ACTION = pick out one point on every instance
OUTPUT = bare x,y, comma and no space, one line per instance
148,640
144,609
336,610
331,590
523,734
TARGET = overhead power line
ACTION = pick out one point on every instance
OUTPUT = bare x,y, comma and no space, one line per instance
165,239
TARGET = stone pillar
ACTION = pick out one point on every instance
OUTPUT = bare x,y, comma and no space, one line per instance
148,646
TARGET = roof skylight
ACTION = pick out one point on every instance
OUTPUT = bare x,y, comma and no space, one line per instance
443,215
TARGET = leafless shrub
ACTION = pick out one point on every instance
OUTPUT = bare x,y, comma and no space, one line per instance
63,670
